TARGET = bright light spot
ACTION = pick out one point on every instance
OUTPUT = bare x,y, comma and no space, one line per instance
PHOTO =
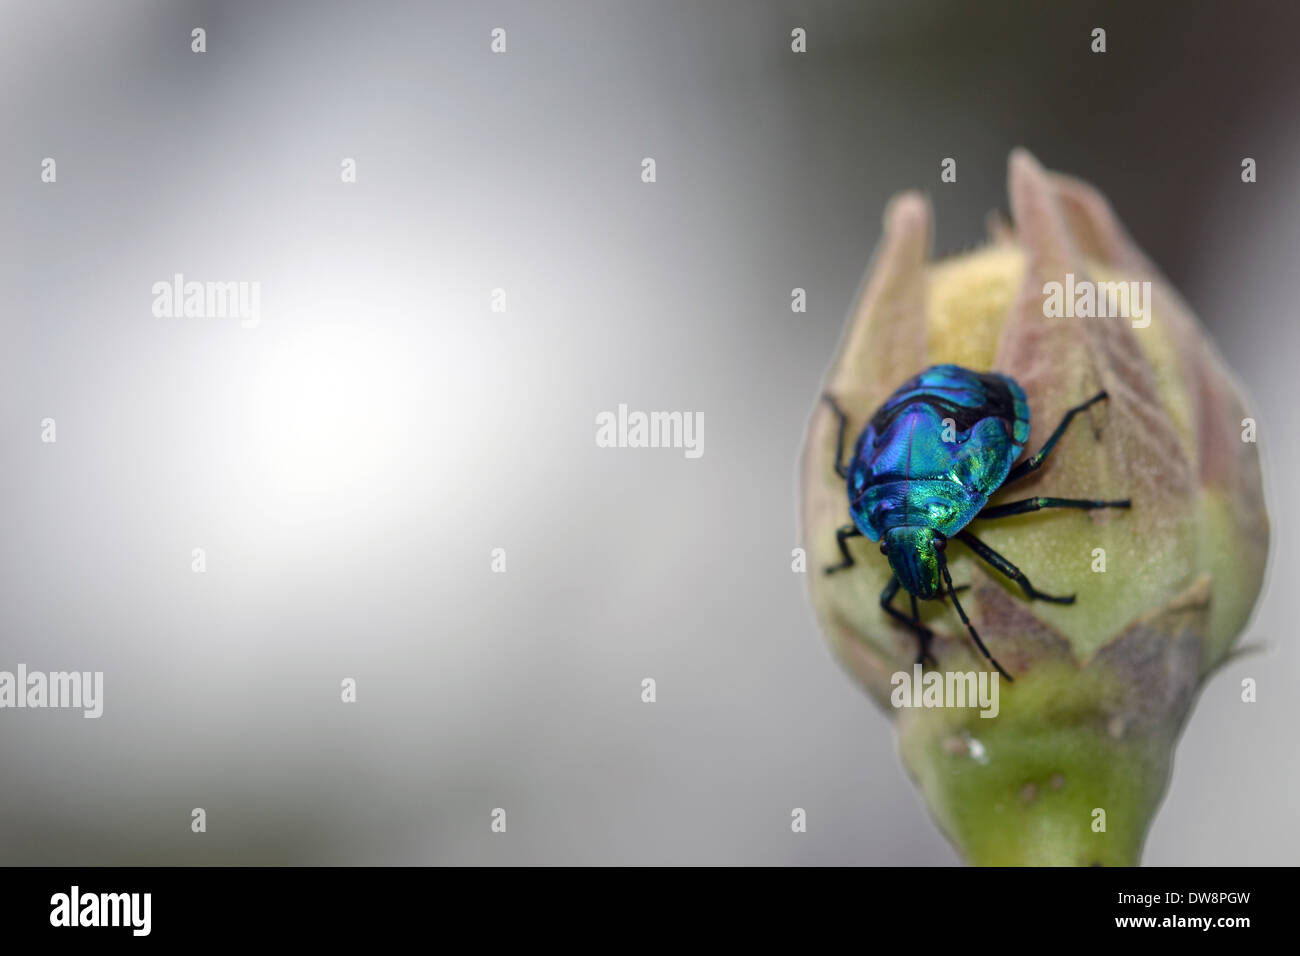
329,413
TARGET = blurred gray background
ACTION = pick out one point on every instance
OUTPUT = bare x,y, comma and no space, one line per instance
350,464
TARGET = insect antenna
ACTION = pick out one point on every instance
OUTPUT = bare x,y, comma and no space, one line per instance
952,593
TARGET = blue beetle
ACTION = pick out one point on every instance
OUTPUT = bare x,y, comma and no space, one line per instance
924,468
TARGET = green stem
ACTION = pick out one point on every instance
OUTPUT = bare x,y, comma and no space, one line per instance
1026,787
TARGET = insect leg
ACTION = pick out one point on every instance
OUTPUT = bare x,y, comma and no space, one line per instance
952,593
923,633
1027,505
840,469
844,533
1035,461
1009,569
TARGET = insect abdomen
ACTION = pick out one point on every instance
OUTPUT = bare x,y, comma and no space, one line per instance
936,450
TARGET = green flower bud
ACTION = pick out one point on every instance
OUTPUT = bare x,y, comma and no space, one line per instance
1084,736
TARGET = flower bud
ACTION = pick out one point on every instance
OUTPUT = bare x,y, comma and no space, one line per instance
1102,687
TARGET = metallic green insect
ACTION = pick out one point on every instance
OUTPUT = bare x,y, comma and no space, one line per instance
924,468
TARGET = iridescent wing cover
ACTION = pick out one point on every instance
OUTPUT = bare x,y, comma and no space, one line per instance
911,468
